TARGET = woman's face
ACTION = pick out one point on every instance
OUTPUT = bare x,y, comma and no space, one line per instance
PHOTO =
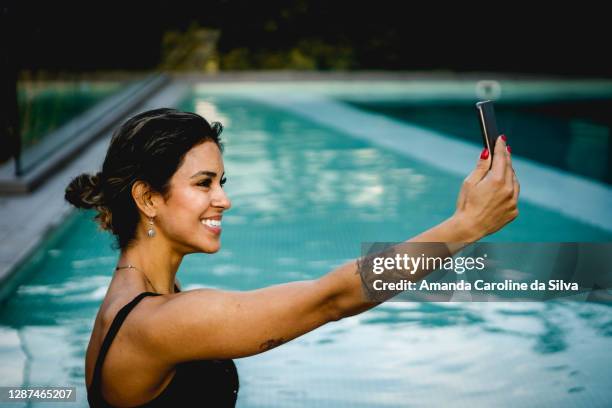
191,217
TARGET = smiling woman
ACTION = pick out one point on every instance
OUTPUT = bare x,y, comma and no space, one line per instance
160,192
161,180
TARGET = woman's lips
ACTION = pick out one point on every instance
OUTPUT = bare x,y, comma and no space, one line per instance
213,229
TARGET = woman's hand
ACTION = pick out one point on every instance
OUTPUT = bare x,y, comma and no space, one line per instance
488,198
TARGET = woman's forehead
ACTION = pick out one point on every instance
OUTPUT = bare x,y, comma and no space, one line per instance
203,157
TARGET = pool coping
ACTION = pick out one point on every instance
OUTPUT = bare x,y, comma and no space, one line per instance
425,90
26,220
368,75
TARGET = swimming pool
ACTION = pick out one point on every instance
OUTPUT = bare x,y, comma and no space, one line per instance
572,136
304,197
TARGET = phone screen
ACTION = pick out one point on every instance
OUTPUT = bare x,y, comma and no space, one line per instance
488,124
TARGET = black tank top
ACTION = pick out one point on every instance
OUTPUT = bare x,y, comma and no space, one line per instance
210,383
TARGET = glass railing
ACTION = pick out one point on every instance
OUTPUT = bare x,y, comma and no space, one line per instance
52,112
46,105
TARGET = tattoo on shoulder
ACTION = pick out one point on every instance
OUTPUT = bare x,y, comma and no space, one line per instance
270,344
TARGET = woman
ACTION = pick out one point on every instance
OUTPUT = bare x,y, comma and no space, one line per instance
161,194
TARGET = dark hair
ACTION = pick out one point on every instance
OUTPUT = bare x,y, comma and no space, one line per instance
149,147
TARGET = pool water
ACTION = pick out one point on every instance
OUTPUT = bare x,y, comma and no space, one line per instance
304,198
572,136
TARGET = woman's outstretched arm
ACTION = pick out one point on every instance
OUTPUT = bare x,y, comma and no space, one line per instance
487,201
210,324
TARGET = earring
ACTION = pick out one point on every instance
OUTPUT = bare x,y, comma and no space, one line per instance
151,231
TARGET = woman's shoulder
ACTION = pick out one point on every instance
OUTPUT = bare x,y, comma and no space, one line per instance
108,312
121,292
114,302
110,308
132,357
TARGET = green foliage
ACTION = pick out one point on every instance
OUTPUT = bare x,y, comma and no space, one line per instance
306,55
193,50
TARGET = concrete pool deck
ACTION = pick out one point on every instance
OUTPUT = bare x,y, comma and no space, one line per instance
26,220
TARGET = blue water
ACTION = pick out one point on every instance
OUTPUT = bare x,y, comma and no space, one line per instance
572,136
304,198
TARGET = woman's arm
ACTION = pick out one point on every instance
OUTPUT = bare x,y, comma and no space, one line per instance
351,299
211,324
487,201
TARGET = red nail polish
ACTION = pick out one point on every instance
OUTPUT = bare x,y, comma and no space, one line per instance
504,138
485,154
509,149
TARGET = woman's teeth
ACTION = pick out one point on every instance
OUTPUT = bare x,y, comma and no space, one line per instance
212,223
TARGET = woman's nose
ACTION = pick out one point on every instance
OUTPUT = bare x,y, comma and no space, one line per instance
221,200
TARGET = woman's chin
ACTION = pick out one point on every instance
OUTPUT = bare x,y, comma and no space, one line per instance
210,247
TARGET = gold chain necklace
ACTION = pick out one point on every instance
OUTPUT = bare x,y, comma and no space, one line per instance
128,266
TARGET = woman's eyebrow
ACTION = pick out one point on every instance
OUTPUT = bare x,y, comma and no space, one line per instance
205,173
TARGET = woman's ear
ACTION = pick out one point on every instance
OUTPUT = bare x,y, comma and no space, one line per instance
145,198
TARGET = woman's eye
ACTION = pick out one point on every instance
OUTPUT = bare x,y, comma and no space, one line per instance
204,183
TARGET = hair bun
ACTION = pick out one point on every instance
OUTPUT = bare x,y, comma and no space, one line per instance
217,127
84,191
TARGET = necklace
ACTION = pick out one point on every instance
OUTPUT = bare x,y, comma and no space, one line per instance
128,266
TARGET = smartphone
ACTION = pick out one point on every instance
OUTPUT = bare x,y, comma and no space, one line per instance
488,125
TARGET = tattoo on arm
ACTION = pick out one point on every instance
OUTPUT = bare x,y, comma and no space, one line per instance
270,344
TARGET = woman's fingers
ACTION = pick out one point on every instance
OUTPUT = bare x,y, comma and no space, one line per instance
511,175
482,167
517,187
500,165
509,169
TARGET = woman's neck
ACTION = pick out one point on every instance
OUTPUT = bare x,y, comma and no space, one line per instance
156,261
